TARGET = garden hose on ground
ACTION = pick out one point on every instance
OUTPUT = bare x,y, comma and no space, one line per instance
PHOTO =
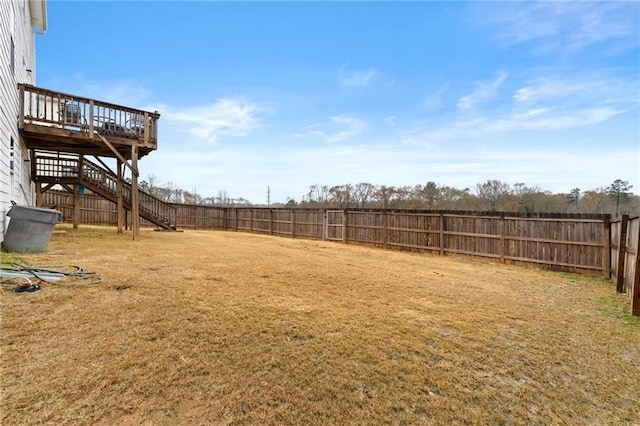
24,270
20,287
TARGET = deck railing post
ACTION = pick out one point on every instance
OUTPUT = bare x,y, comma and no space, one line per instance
146,128
91,118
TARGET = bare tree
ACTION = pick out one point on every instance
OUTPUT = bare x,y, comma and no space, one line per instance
362,192
318,195
494,192
340,195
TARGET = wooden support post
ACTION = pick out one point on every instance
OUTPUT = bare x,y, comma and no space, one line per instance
250,220
76,206
38,194
34,166
635,283
135,210
119,206
606,247
80,171
270,221
622,254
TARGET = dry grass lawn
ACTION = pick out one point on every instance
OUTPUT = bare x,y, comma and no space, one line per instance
207,327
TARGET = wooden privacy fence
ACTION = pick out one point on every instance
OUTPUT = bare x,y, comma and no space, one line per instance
586,243
625,258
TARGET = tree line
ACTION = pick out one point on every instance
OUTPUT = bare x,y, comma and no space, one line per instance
491,195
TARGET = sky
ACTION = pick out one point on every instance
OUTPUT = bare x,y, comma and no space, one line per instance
284,95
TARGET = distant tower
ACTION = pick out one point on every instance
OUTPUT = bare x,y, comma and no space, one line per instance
268,195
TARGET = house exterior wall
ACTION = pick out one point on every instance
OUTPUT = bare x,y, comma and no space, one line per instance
17,65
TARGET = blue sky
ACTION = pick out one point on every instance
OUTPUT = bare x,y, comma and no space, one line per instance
289,94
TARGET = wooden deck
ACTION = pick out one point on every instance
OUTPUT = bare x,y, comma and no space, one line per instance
56,121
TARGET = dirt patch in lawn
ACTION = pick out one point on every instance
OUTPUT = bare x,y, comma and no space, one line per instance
207,327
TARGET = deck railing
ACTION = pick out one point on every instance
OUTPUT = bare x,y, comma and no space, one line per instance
55,109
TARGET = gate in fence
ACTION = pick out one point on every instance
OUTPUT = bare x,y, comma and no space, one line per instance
334,225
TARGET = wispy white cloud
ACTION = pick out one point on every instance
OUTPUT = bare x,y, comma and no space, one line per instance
357,78
484,91
341,128
597,88
225,117
562,26
435,99
540,119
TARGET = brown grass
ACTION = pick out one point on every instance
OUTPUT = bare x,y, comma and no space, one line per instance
208,327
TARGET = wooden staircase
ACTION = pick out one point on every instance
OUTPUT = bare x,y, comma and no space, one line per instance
70,169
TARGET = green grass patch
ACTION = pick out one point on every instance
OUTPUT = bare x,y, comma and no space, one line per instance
619,306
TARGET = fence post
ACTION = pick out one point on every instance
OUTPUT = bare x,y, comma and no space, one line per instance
251,220
635,286
441,234
224,218
622,253
345,225
270,221
385,229
502,232
606,249
293,223
325,226
236,219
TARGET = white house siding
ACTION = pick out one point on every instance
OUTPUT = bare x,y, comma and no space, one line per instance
15,180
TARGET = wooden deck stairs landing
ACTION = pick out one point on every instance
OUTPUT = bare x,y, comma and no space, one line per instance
73,169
